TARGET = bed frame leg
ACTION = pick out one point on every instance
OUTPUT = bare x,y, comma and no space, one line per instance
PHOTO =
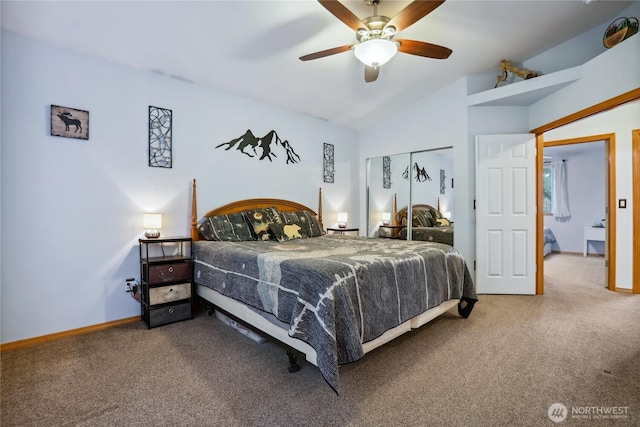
293,362
465,306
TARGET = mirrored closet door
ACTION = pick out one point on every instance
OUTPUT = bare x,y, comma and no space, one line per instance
397,182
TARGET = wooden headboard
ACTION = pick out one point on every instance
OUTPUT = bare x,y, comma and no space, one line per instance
248,204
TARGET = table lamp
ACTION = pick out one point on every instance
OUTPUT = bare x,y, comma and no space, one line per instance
342,219
386,218
151,223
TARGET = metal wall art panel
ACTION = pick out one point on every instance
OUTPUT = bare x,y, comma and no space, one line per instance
328,163
386,172
160,137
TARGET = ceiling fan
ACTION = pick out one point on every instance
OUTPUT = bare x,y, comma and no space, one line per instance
375,34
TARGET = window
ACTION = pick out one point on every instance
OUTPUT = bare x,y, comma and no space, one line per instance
547,189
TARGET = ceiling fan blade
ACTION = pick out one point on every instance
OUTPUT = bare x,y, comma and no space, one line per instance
327,52
428,50
343,14
413,13
371,73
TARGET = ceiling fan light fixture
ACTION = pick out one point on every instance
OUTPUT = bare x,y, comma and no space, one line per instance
375,52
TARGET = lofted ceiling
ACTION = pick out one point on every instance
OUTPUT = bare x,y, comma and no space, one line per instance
251,48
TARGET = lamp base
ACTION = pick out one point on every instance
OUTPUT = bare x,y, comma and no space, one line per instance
342,225
152,234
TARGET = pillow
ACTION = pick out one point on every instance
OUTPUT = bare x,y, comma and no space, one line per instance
443,222
259,220
425,218
426,213
430,222
309,223
292,218
417,220
226,228
289,217
283,232
436,214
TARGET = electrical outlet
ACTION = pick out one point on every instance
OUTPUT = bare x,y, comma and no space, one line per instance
129,284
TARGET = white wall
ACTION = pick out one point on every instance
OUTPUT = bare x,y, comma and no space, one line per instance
586,181
600,82
72,209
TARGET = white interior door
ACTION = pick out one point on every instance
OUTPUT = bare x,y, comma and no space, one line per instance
505,214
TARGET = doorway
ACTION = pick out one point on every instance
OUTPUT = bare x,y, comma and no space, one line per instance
583,166
625,98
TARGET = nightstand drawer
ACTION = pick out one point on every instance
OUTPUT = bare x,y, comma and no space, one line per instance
164,294
162,273
169,314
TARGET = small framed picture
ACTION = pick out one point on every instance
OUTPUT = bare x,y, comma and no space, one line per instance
69,122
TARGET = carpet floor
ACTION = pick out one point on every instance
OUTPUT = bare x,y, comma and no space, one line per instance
514,362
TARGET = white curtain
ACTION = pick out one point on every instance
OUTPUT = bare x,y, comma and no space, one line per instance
560,193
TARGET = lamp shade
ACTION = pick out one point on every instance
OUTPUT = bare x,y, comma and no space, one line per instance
152,222
375,52
386,217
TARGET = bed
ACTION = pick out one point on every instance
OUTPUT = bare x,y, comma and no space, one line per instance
549,240
428,225
327,298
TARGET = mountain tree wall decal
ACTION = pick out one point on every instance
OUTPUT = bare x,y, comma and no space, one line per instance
262,148
421,173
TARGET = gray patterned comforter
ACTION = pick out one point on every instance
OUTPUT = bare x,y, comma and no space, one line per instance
430,234
336,291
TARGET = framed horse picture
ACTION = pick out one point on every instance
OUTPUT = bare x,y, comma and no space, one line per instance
69,122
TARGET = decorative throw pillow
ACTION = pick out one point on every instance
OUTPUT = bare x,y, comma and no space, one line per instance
424,218
226,228
309,223
291,218
417,220
443,222
284,232
259,219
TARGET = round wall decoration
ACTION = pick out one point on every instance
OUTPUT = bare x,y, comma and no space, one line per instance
619,30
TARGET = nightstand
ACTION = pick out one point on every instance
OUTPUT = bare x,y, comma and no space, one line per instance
596,234
166,272
390,231
343,230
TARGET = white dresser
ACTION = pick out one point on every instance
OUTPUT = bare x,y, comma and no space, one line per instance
596,234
